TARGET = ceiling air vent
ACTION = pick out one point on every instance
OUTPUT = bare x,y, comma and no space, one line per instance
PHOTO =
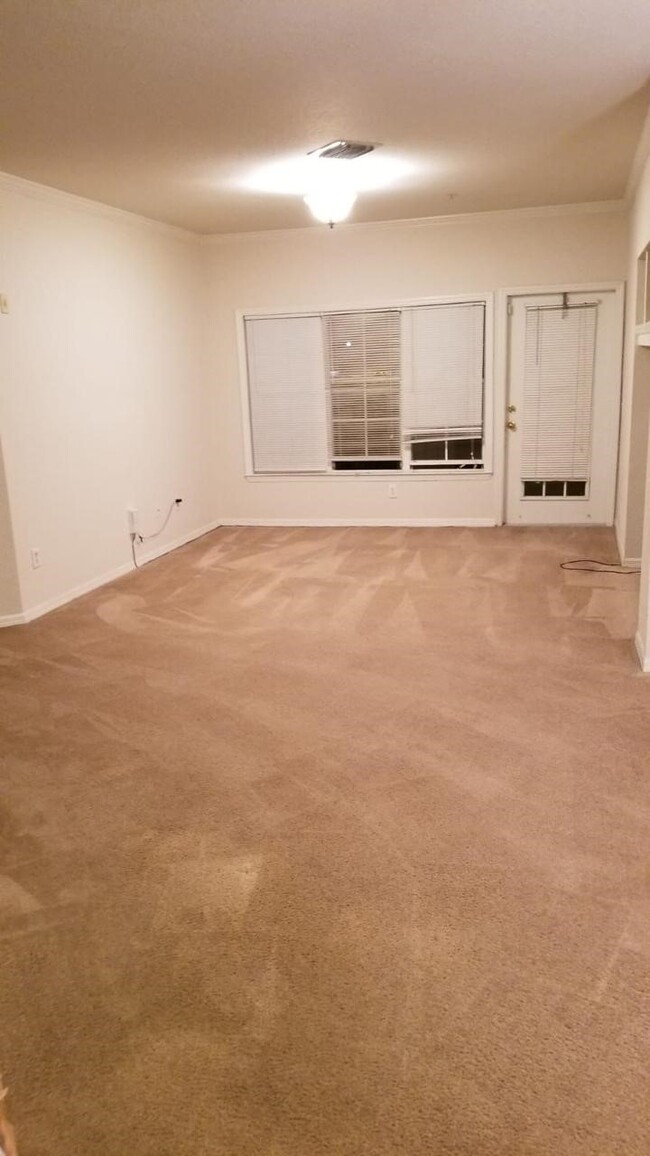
343,150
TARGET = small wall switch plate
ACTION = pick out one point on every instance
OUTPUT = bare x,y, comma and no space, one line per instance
392,490
4,303
35,555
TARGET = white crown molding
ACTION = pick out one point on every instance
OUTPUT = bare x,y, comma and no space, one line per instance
20,185
28,188
526,213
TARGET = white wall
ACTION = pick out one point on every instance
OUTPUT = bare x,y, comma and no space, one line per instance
633,522
10,602
643,632
104,397
318,268
636,394
119,380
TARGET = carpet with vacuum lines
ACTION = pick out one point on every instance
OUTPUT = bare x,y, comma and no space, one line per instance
330,842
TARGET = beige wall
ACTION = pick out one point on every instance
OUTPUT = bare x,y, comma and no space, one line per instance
634,491
319,268
643,632
10,602
120,380
104,398
635,414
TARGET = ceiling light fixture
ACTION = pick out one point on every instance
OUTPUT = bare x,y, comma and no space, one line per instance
327,182
296,175
334,191
330,204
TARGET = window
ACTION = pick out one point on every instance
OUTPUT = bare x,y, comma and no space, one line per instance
363,359
443,396
560,349
555,489
287,395
382,389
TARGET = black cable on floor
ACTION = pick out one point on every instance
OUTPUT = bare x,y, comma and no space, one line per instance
596,566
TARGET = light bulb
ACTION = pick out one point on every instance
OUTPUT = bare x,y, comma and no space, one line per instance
331,204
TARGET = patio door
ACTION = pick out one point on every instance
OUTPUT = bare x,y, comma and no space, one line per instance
563,408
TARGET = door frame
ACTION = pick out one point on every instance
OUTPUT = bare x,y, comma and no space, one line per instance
503,298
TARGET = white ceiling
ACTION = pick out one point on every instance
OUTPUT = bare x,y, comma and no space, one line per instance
168,107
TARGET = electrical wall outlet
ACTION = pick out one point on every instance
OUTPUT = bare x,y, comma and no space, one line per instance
392,490
35,556
131,517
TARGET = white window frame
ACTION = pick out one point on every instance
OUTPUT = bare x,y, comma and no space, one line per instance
484,298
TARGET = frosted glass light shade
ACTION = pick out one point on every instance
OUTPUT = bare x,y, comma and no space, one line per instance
331,205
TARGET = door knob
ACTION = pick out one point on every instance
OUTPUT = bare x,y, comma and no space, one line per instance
512,409
511,425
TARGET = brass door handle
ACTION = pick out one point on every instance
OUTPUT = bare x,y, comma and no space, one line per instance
511,425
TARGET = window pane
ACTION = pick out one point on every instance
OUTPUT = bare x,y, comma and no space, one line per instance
460,449
382,403
451,450
349,439
533,489
347,405
364,356
428,451
560,346
383,438
368,464
286,387
443,388
576,489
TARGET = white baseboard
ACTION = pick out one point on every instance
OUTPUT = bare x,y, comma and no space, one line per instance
158,551
644,658
61,600
379,522
42,608
12,620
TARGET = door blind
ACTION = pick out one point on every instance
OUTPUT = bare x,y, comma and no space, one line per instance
560,346
287,394
363,355
443,393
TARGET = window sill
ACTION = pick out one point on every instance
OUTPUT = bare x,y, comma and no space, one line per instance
384,476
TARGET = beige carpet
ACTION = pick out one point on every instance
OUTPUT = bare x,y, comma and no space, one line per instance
330,842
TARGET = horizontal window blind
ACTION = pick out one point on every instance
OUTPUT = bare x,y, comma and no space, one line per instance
443,389
363,356
392,388
288,405
560,348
